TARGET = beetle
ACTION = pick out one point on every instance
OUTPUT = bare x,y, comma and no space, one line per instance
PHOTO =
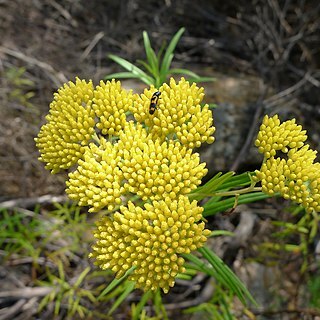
154,101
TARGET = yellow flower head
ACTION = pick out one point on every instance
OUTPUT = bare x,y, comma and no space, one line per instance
110,103
292,178
178,113
274,136
150,239
155,170
70,125
97,182
133,135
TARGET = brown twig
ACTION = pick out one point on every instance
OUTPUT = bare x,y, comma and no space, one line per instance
63,13
58,78
31,202
9,312
25,293
91,45
270,102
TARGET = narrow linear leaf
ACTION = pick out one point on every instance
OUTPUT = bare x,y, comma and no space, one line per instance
213,207
82,276
127,65
151,56
129,288
193,75
146,66
167,58
211,186
218,233
212,105
154,73
236,181
143,300
198,265
121,75
183,71
230,280
164,71
159,307
115,282
131,67
202,79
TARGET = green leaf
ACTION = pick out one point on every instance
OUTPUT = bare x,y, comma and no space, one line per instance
218,233
236,181
202,79
132,68
213,206
194,76
183,276
155,74
222,273
151,56
159,307
128,289
121,75
138,309
82,276
165,70
167,58
211,186
45,301
197,264
115,282
212,105
146,66
183,71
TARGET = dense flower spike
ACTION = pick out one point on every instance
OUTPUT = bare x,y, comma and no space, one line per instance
97,180
179,113
294,176
150,239
155,170
274,136
69,127
110,103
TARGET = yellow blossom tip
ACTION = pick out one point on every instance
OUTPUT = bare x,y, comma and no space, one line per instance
110,104
178,113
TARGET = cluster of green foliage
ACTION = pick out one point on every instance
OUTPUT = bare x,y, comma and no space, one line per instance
20,87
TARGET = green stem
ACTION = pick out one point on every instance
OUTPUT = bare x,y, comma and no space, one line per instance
230,193
235,192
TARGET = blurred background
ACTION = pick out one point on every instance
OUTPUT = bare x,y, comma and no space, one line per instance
264,55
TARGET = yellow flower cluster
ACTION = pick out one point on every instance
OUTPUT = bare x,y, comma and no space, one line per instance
135,164
110,104
150,159
274,136
178,115
155,170
150,239
97,182
69,127
293,174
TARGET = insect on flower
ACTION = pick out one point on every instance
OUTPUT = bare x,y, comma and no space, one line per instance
154,101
